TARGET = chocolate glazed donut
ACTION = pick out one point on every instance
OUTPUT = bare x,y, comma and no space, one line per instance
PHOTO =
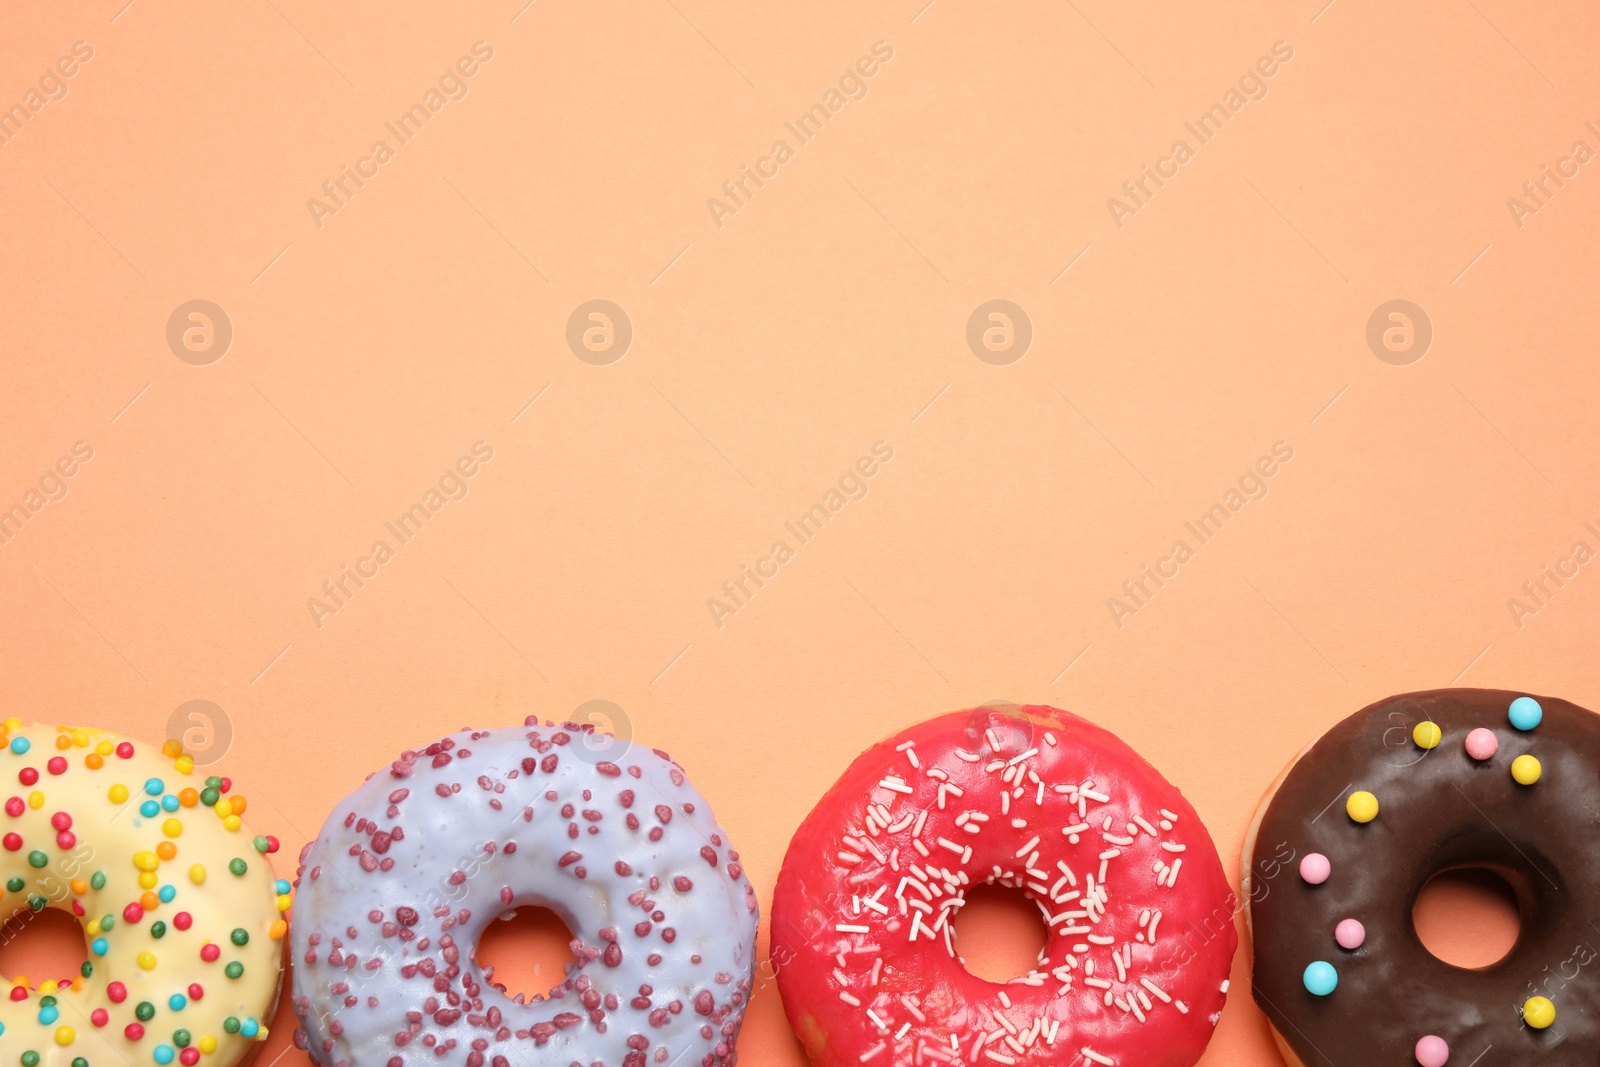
1403,790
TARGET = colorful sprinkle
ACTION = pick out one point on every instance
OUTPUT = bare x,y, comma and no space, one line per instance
1482,744
1362,806
1321,978
1315,868
1538,1012
1431,1051
1526,770
1525,714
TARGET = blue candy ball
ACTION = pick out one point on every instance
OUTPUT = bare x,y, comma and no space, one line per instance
1526,713
1321,979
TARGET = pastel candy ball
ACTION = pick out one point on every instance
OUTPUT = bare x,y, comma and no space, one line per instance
1321,978
1432,1051
1526,770
1315,868
1362,806
1525,713
1538,1012
1350,934
1482,744
1427,735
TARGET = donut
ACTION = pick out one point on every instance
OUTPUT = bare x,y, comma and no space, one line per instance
410,868
1140,915
1351,832
179,908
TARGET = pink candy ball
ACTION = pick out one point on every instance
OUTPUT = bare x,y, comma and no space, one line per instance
1432,1051
1315,868
1350,934
1482,744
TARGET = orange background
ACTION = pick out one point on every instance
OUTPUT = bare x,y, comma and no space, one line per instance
830,312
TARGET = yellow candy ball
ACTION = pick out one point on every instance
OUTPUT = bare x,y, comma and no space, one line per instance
65,1035
1427,735
49,986
285,902
1538,1012
197,873
117,794
80,737
208,1044
146,961
172,827
148,879
145,861
233,822
1362,806
13,724
36,800
104,748
1526,770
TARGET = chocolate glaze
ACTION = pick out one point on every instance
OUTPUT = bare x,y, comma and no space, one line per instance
1439,810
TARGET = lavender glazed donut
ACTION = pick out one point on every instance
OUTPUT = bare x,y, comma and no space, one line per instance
411,867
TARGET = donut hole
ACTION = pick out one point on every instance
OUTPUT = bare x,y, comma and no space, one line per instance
42,946
1468,917
526,953
999,933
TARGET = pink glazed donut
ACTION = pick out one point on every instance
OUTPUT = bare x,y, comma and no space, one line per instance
411,867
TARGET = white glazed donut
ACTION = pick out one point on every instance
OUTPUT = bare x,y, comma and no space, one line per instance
180,911
411,867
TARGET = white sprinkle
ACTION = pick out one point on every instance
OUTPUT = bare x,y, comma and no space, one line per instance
849,859
896,784
900,1033
1091,1054
1154,922
874,1050
916,831
1092,795
1033,843
1156,991
1018,824
1018,759
945,842
994,742
905,745
1146,827
1170,847
1171,815
1098,983
1172,877
919,846
848,928
1165,825
1181,1006
1224,985
1095,938
849,999
1117,840
1050,739
877,1020
963,754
